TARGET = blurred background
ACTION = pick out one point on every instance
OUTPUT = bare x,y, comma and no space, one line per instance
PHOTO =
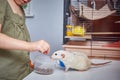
46,23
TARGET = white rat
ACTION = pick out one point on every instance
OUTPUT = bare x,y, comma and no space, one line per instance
74,60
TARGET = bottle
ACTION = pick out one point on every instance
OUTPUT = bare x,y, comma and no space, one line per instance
69,27
69,30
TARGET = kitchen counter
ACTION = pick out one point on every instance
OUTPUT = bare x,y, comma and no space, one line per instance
107,72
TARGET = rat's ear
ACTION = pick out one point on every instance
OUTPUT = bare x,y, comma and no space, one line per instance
63,55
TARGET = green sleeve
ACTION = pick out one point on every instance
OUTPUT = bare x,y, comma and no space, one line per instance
2,10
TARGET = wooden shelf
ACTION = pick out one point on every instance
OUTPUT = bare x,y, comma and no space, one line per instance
95,51
102,33
87,36
93,47
74,46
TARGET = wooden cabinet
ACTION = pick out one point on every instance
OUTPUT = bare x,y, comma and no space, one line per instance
102,32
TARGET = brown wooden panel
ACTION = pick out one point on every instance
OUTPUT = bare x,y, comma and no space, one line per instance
107,24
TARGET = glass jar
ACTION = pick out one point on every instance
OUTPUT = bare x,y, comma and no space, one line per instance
43,65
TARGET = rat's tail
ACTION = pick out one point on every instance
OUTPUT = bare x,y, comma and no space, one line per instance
100,64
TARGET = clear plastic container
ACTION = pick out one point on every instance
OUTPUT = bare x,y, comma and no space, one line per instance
43,65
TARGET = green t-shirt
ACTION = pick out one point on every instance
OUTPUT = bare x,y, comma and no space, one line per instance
14,64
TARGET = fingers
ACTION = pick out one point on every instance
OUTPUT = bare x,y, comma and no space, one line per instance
26,1
44,47
41,46
46,52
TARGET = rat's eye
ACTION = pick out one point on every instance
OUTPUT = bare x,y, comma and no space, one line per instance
55,53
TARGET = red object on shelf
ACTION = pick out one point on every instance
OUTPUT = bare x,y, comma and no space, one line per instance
31,65
115,44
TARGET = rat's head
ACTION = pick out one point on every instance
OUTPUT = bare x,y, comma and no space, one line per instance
58,55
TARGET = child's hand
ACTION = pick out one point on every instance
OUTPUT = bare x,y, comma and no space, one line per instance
41,46
46,52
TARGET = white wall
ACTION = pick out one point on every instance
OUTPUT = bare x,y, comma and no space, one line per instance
47,23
